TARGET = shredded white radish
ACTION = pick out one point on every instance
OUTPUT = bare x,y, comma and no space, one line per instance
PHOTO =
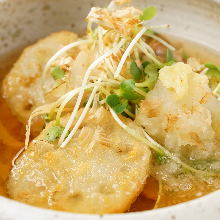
40,111
17,155
128,51
161,41
81,118
61,52
85,79
204,71
129,113
139,91
136,54
76,91
148,47
145,51
157,26
109,65
215,92
62,101
101,33
28,131
112,82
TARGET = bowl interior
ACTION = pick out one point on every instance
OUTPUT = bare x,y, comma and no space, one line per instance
23,21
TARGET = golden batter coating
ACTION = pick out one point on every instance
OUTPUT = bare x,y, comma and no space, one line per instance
102,169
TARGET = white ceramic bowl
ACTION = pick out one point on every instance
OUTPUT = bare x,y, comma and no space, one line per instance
24,21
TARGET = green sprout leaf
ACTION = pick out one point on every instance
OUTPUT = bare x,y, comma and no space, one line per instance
213,74
128,85
212,66
120,108
148,13
57,73
146,63
213,71
54,133
127,90
113,100
151,70
116,104
152,74
170,56
135,71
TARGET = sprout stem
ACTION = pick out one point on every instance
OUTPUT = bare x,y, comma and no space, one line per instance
145,51
87,74
81,118
128,51
216,89
153,144
166,44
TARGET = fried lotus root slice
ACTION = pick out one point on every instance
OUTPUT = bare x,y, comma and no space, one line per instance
22,87
102,169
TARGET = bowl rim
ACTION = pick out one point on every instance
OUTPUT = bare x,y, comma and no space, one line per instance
174,211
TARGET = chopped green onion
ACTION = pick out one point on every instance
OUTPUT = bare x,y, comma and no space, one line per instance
213,74
57,73
54,133
161,158
116,104
148,13
135,71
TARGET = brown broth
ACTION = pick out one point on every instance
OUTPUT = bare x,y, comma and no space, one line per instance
11,141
